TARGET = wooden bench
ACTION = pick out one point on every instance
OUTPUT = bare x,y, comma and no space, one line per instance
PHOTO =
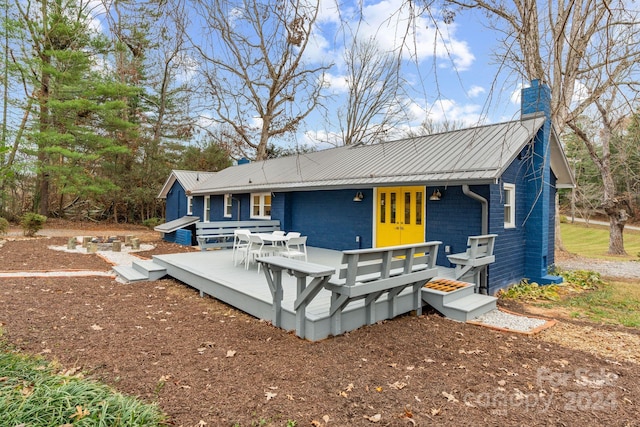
273,268
219,234
475,259
367,274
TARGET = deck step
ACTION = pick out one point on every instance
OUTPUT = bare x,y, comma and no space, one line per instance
149,269
456,300
129,274
469,307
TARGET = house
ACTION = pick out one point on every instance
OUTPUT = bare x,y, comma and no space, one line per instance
179,205
499,179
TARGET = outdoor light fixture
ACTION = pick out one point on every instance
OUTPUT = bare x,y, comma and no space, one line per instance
358,197
436,195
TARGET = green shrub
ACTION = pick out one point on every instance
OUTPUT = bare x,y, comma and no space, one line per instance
4,226
531,291
32,223
152,222
583,279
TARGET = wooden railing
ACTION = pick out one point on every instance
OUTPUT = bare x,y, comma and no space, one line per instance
365,274
219,234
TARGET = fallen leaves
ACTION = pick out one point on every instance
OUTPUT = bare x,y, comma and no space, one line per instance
80,413
374,418
231,353
398,385
476,351
450,397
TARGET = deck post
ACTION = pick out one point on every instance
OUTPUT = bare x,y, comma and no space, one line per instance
274,280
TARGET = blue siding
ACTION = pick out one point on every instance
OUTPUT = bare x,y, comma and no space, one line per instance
453,219
331,219
176,202
198,207
510,249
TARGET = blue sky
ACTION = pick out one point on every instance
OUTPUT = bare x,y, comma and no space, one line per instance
447,67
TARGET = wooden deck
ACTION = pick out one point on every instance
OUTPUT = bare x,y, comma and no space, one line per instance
213,273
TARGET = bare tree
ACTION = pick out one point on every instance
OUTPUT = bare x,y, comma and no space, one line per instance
254,66
588,51
373,81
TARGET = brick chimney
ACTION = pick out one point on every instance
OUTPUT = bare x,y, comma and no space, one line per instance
539,231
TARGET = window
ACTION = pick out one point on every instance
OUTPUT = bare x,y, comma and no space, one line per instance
207,208
189,205
261,205
509,197
228,203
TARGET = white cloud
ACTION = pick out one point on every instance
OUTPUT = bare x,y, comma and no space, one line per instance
448,110
475,91
96,8
336,84
390,23
322,139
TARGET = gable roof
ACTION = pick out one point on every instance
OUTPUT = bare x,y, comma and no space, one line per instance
187,179
469,156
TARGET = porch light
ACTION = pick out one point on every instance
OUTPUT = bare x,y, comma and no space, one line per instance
358,197
436,195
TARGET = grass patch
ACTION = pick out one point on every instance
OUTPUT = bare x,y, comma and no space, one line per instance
586,296
593,241
616,303
33,394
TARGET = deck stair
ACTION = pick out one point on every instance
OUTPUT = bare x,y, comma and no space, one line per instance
456,300
140,270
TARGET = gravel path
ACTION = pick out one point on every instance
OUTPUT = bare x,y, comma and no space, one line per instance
619,269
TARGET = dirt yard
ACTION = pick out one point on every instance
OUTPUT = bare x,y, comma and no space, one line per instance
207,364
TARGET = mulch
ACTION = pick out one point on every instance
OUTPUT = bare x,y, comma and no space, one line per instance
205,362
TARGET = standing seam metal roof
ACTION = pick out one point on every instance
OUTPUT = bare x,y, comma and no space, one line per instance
475,155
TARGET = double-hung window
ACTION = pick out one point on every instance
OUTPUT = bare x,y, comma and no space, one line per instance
189,205
509,197
261,205
207,208
228,204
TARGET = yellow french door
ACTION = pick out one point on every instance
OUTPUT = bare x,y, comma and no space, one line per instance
400,216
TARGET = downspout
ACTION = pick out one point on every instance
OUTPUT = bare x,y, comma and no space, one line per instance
484,280
485,206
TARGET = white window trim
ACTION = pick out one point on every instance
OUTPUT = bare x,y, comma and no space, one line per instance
510,193
189,205
228,203
261,214
206,210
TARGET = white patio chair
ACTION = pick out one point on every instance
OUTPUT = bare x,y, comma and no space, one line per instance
296,247
292,234
240,243
277,233
256,249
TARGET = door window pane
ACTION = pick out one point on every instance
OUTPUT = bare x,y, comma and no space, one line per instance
392,220
419,208
383,210
407,208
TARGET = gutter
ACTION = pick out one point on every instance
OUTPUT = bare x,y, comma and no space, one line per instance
485,206
485,230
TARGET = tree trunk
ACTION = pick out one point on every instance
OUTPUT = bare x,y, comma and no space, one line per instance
558,235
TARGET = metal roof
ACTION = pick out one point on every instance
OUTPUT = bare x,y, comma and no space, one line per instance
187,179
468,156
176,224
